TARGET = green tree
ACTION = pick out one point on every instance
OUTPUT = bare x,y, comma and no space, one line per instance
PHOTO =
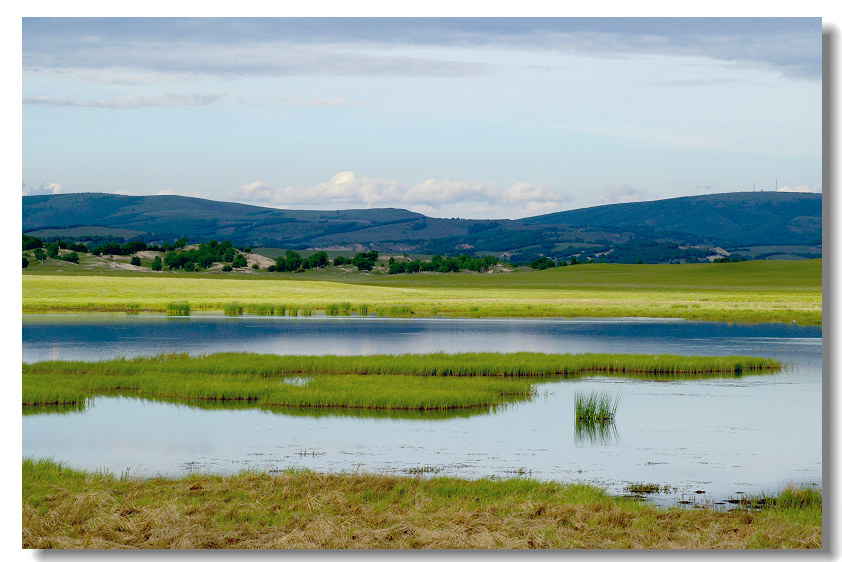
25,262
190,266
319,259
135,260
71,257
40,254
30,242
239,261
293,260
156,264
52,249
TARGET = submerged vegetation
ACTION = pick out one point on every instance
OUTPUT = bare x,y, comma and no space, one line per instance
66,508
414,381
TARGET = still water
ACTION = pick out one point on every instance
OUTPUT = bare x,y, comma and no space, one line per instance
717,437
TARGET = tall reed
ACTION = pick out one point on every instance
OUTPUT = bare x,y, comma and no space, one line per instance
596,406
178,309
233,309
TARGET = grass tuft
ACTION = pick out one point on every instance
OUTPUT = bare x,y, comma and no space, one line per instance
595,406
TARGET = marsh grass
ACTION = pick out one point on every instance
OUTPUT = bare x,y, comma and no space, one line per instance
413,381
178,309
70,509
597,406
233,309
265,309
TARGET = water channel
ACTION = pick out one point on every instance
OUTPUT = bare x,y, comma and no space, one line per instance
709,440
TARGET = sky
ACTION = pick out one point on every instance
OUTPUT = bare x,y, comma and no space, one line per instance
459,117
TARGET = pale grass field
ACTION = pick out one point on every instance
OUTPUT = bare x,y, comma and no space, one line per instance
457,296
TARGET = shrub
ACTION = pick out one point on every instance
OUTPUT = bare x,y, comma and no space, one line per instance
135,261
227,268
25,262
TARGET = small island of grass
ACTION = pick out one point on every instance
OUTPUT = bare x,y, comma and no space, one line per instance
401,382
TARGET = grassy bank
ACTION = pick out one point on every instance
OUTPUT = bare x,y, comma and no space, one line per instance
64,508
760,291
422,381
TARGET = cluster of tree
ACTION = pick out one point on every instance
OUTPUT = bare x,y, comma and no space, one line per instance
443,265
42,251
653,252
364,261
202,257
134,246
292,261
542,263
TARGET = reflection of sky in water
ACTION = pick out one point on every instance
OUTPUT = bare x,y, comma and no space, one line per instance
753,433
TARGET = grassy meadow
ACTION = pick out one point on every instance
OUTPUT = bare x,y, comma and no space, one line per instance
66,508
755,291
418,382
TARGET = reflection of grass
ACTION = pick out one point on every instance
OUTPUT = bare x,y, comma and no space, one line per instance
66,508
300,411
761,291
595,433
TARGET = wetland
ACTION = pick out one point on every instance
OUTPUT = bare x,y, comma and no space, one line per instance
703,440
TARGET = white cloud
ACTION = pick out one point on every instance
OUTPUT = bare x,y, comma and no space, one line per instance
130,101
802,188
42,189
621,194
432,197
433,191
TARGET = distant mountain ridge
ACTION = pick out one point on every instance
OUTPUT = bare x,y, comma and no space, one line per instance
742,218
729,220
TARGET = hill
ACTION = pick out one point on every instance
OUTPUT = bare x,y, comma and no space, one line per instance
755,225
743,218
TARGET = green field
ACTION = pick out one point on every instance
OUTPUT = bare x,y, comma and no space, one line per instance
754,291
397,382
66,508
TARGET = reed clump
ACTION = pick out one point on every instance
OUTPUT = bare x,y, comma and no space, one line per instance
233,309
596,406
178,309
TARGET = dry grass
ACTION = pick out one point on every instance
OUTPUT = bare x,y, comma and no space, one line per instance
68,509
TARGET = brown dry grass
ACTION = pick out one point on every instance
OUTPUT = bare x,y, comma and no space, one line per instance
309,510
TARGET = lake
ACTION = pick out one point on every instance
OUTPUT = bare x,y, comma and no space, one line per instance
708,439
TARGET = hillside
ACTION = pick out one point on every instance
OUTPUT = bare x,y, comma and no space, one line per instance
744,218
754,225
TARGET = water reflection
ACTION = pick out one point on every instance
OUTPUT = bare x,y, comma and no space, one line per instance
595,433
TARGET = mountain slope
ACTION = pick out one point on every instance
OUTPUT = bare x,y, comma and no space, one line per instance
653,230
745,218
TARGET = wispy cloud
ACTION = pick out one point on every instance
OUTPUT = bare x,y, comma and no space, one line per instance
432,196
130,101
802,188
621,194
49,189
332,46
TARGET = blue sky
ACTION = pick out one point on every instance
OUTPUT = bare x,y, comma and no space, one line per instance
475,118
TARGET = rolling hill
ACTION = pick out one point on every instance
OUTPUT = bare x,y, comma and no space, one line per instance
763,224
